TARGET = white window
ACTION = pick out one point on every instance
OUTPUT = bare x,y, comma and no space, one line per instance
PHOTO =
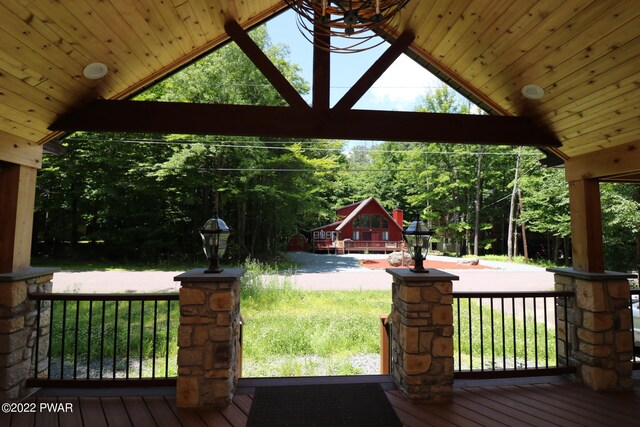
356,235
385,235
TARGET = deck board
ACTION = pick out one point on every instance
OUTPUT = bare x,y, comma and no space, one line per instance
541,402
115,412
73,418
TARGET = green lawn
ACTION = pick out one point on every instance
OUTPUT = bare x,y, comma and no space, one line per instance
288,332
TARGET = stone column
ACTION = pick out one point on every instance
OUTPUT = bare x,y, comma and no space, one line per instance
208,338
18,314
422,333
597,326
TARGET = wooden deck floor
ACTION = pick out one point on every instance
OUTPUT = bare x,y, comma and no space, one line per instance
537,402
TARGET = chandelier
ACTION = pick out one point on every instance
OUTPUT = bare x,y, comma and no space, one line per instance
354,20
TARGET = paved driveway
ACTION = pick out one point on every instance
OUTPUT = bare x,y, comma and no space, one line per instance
315,272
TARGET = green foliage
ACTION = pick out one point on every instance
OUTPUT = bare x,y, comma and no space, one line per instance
145,202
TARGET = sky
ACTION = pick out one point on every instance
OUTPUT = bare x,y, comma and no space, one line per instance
399,88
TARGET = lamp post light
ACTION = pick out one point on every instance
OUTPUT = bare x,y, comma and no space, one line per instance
214,242
417,236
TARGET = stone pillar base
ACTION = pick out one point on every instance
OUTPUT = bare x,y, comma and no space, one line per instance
598,328
422,348
18,314
208,338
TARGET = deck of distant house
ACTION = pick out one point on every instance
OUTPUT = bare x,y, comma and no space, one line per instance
513,402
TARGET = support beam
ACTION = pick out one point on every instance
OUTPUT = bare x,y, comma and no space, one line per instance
321,66
17,199
375,71
609,164
14,149
264,64
586,226
246,120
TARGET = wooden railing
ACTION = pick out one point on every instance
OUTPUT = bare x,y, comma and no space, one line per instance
371,246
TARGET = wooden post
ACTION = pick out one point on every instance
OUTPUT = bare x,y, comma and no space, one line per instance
586,226
17,199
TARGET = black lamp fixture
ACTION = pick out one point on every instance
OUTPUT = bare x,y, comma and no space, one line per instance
356,20
417,236
214,241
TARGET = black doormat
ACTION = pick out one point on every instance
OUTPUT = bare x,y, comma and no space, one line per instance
323,405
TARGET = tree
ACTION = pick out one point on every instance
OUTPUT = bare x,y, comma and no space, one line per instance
145,196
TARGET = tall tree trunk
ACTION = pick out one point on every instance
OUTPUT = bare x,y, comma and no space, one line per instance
510,233
476,226
556,250
525,248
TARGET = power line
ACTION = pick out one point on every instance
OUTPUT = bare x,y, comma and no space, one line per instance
233,144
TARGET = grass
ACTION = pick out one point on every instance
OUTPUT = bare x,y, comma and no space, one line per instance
289,332
520,260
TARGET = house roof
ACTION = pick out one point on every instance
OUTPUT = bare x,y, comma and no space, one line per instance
359,209
586,56
325,226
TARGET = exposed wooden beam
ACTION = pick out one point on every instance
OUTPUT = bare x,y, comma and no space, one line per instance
321,67
14,149
264,64
586,226
602,164
375,71
247,120
17,199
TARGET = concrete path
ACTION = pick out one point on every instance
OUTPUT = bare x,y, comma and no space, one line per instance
316,272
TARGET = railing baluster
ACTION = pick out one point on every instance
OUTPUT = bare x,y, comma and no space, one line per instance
493,346
515,333
128,339
153,346
115,338
51,335
166,356
535,330
524,321
89,339
504,335
481,338
141,337
102,340
458,301
546,335
470,336
64,330
75,341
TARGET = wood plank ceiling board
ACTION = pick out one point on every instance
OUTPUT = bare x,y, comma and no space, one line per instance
585,54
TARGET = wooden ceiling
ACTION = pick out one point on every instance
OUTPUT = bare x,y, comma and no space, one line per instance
585,54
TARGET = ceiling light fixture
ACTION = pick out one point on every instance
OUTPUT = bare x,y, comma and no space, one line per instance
95,71
532,91
348,19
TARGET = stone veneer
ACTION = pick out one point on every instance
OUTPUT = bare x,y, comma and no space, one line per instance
600,340
208,338
422,333
18,316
